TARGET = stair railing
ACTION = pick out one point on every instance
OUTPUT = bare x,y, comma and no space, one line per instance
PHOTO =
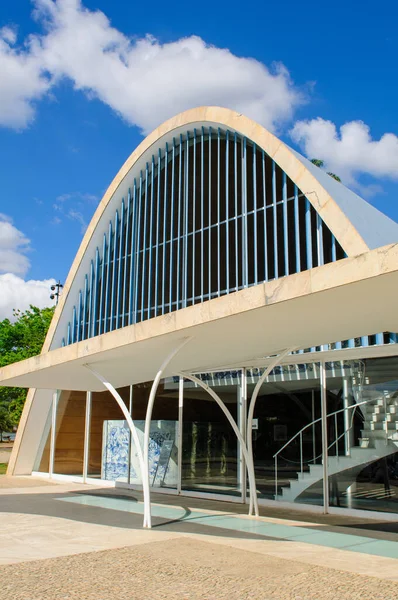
335,442
385,423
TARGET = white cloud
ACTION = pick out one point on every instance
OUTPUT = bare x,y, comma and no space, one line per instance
75,215
85,196
9,35
143,80
23,81
13,247
78,200
16,293
349,152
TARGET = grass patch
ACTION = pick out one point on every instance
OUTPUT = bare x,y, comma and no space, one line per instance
3,468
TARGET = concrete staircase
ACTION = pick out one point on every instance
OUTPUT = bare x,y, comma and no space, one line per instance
379,439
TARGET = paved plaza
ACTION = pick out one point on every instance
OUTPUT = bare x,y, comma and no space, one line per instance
64,541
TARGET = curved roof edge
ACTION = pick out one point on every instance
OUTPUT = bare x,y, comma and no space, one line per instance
374,227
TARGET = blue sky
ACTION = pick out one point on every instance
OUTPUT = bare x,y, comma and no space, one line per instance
71,112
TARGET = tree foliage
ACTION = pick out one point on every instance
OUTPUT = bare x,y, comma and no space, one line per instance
20,339
336,177
320,163
6,422
317,162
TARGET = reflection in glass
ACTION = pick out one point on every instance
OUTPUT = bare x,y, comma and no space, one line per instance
362,435
163,433
364,473
210,451
288,403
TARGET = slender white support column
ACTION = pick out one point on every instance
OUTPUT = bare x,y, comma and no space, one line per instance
324,422
249,436
87,428
180,431
128,418
148,418
348,431
230,418
53,431
131,393
242,422
313,426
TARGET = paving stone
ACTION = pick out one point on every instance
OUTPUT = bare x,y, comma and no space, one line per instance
188,569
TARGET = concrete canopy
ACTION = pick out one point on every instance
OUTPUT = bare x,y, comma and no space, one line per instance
336,301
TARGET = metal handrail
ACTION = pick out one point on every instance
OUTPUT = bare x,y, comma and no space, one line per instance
335,442
354,406
315,458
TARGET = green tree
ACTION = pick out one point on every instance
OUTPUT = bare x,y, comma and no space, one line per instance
319,163
20,339
6,423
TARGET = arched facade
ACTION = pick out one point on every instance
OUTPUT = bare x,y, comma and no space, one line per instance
211,214
324,202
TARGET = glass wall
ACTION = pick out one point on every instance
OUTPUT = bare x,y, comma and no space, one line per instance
363,463
288,402
359,422
361,419
113,455
211,460
163,434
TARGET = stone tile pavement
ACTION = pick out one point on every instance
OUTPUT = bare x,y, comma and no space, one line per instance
73,541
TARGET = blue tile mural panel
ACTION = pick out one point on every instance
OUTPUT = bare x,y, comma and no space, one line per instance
163,452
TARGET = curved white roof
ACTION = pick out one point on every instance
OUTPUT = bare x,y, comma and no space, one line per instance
374,227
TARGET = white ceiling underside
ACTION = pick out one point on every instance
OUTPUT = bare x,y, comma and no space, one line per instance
298,311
